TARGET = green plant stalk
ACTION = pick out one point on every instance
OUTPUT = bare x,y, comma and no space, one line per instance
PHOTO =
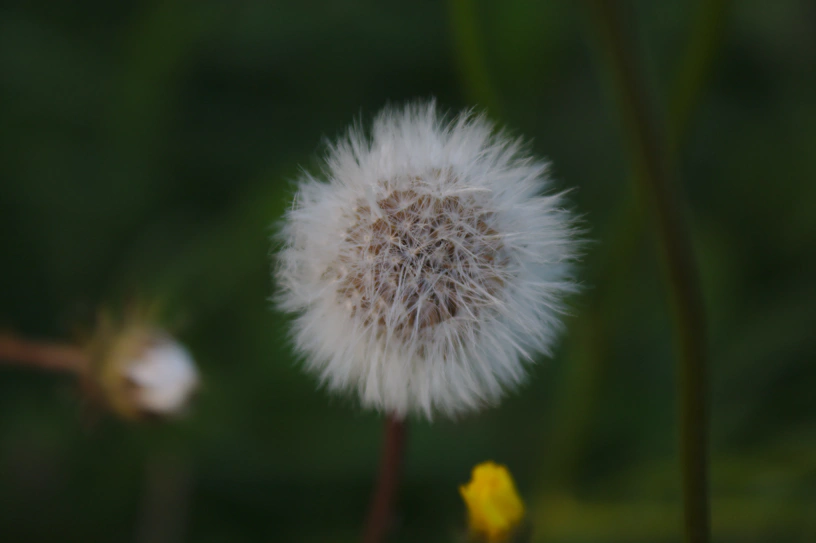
587,341
657,183
706,37
469,56
588,344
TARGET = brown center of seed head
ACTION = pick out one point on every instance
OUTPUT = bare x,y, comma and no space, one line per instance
417,261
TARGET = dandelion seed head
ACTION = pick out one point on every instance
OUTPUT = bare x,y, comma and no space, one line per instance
138,369
426,268
163,378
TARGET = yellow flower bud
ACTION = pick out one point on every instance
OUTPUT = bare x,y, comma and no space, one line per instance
495,509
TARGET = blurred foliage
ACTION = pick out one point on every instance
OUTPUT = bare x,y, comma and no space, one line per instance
149,147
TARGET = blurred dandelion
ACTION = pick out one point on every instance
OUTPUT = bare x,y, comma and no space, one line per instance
495,510
129,365
139,370
426,268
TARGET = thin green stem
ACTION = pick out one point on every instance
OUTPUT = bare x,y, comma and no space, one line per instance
470,57
576,402
658,184
706,36
588,346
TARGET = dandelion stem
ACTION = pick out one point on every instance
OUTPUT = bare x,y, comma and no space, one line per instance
43,355
382,502
651,160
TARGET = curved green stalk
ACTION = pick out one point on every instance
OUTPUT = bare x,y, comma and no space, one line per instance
656,180
576,402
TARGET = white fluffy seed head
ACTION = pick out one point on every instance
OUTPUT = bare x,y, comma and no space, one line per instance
138,370
426,268
163,377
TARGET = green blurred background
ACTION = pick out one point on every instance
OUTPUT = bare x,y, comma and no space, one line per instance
148,148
